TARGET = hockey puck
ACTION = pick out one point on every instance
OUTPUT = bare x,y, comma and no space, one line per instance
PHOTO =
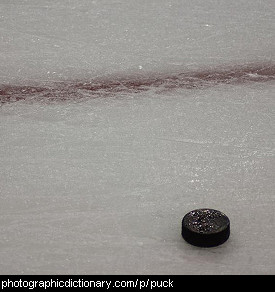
205,227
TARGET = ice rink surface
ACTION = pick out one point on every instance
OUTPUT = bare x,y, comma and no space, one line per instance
118,117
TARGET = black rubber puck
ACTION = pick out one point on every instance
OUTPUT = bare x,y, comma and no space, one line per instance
205,227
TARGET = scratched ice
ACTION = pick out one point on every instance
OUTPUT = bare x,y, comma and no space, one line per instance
118,117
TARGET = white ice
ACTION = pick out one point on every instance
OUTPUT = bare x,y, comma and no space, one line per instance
100,186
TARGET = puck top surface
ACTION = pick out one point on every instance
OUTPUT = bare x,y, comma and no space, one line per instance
206,221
